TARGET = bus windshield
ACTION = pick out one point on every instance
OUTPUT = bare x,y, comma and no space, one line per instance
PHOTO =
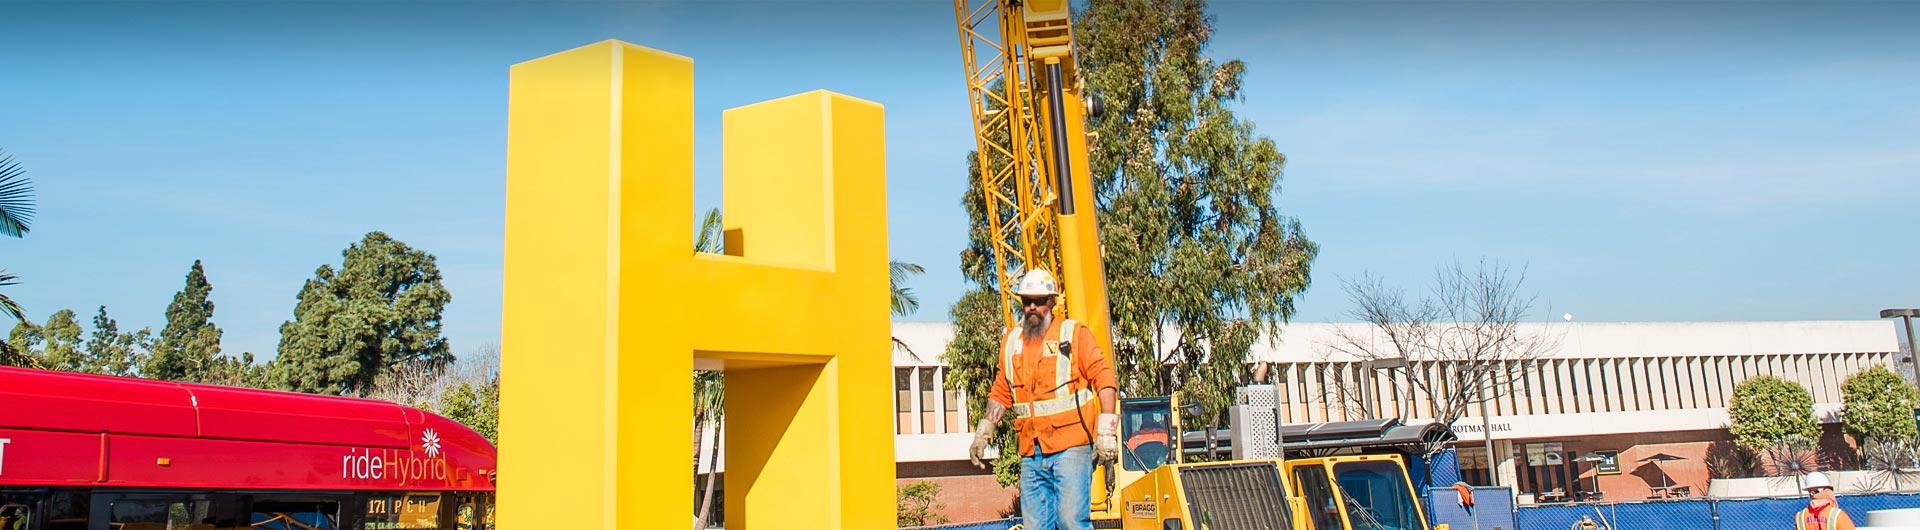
1378,497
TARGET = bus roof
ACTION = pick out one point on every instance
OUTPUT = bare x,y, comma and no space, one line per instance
142,415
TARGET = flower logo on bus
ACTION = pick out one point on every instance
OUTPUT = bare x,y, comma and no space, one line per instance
430,442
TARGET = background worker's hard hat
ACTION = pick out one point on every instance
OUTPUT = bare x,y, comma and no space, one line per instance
1817,480
1037,282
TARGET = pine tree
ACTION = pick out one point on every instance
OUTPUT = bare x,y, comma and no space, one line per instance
190,342
380,309
111,352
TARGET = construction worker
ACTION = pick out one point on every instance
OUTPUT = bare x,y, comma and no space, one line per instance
1823,511
1061,389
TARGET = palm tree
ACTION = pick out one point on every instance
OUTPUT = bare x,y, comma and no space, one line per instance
709,388
16,218
16,198
904,301
902,297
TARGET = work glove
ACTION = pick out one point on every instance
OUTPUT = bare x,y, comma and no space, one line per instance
1106,445
982,435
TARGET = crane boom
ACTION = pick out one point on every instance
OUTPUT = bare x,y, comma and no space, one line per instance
1030,134
1029,128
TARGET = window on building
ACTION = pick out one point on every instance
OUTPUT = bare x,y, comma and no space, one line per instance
955,421
1546,472
903,401
1474,465
928,423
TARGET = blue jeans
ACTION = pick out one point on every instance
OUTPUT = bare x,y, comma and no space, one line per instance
1053,489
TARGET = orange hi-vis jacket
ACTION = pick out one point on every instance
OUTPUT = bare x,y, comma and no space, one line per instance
1829,517
1055,398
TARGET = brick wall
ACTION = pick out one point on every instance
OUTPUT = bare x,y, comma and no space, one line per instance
968,493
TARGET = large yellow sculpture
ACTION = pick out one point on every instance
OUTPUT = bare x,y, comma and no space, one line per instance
607,308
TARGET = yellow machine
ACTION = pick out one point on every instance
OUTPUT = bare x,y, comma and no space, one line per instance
1363,492
1029,126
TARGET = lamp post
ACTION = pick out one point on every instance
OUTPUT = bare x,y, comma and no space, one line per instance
1906,317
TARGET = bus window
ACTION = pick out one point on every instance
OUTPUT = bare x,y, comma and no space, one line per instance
16,516
296,515
66,510
160,514
486,514
467,515
412,511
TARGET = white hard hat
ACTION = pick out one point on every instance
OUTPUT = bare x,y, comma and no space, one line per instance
1037,282
1817,480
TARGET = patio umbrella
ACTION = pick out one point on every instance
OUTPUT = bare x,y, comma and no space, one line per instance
1595,459
1657,458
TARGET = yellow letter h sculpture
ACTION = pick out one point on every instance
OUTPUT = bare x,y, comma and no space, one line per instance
607,308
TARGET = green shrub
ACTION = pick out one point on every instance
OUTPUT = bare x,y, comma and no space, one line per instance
1879,406
1768,409
918,504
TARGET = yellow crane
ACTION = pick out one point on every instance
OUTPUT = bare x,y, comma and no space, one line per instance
1030,133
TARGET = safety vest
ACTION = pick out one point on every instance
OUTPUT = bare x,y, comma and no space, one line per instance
1832,518
1054,405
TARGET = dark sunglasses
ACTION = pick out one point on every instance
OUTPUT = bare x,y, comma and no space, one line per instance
1034,301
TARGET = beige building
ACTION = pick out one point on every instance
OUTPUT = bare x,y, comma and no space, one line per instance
1630,390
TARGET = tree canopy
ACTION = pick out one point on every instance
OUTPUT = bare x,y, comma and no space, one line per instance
382,307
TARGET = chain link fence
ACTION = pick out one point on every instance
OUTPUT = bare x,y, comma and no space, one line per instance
984,525
1494,510
1698,514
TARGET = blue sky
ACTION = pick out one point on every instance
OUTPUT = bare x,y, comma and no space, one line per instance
1643,161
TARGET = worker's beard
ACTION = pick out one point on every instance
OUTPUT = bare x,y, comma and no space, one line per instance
1034,325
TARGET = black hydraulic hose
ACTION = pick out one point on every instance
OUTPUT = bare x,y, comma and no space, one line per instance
1057,116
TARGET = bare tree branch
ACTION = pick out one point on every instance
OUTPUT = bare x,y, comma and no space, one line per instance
1463,343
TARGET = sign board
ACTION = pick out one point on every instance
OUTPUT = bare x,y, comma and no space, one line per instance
1536,455
1609,463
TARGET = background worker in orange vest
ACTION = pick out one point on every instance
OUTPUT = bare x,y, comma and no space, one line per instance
1061,389
1823,510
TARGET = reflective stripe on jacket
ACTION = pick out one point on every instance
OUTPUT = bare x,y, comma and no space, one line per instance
1832,518
1054,397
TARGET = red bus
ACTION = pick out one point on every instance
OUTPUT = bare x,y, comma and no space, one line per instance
89,452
